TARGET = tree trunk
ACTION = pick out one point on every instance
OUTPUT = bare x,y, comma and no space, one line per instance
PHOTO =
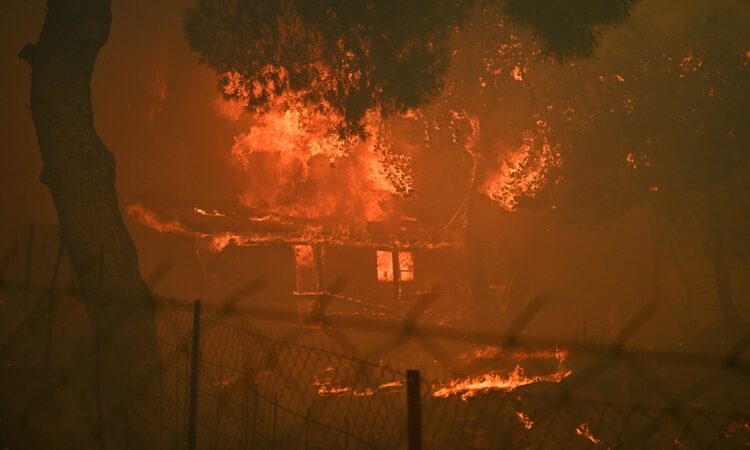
715,251
80,174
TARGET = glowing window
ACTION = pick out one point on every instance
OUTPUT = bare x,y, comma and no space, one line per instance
307,269
406,266
385,265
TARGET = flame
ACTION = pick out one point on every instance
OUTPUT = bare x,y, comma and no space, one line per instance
385,265
467,387
630,161
293,162
525,420
406,266
735,426
217,240
150,219
524,171
211,213
493,381
306,269
584,431
493,352
385,269
691,63
327,389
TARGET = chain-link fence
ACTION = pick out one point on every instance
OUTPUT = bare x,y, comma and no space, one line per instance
218,385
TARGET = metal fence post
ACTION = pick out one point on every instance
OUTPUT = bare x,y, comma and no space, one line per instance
194,364
413,410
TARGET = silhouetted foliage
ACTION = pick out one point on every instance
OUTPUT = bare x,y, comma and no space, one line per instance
351,57
664,131
569,28
348,56
661,128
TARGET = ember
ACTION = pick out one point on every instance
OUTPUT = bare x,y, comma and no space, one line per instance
584,431
525,420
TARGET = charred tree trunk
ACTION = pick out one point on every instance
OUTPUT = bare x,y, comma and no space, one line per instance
716,252
80,174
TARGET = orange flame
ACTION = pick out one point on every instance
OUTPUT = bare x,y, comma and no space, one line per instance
327,389
493,381
524,171
584,431
493,352
286,162
525,420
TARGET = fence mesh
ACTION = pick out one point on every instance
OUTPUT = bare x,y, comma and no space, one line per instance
316,388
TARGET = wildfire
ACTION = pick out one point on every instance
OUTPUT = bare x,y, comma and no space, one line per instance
210,213
327,389
525,170
493,381
736,426
149,219
288,156
493,352
525,420
385,268
584,431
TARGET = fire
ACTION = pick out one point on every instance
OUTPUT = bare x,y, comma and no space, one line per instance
467,387
210,213
149,219
294,161
385,265
327,389
306,273
493,381
385,269
691,63
736,426
493,352
525,420
584,431
630,161
525,170
406,266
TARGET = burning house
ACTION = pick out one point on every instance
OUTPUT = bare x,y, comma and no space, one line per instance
313,208
378,269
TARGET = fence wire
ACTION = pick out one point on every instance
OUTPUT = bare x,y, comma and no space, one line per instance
317,387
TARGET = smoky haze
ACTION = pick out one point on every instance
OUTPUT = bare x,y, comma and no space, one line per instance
161,114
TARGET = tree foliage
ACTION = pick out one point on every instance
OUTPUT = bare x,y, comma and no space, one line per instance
660,126
346,56
569,28
352,57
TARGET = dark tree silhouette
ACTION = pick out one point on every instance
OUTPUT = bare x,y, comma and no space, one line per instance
356,56
80,174
349,56
569,28
666,132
